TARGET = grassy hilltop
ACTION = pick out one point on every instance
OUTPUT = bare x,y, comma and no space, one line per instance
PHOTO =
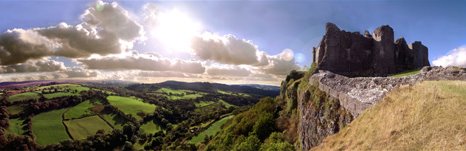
427,116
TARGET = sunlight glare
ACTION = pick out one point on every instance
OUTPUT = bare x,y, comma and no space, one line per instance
175,30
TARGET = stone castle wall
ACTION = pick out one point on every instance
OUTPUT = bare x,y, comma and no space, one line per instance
352,54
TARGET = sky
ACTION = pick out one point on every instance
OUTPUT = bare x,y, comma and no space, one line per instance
217,41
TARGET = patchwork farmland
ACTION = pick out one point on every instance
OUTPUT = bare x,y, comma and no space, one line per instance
55,115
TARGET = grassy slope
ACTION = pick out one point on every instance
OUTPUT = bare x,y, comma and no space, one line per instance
79,110
407,73
48,127
150,127
23,96
428,116
16,126
212,130
231,93
180,94
84,127
203,103
114,120
15,109
77,87
226,104
59,94
131,105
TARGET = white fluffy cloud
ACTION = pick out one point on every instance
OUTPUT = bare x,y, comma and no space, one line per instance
229,49
281,64
100,45
142,62
106,28
226,49
80,73
33,66
457,57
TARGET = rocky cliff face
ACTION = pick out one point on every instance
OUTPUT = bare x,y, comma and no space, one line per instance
353,54
327,102
343,82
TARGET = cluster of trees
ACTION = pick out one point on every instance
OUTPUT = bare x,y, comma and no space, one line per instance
3,124
176,118
254,129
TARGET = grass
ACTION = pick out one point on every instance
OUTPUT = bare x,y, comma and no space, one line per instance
150,128
16,126
24,96
59,94
131,105
226,104
232,93
406,73
15,109
115,121
48,127
71,87
180,94
88,126
203,103
79,110
427,116
212,130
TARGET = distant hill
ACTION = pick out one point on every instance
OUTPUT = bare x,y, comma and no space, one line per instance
263,90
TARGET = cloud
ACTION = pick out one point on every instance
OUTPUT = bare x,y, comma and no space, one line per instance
106,28
162,74
31,76
456,57
33,66
231,50
143,62
228,71
226,49
281,64
80,73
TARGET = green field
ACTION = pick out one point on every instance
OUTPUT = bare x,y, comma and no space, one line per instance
212,130
88,126
16,126
233,93
115,121
131,105
226,104
59,94
180,94
24,96
48,127
15,109
79,110
406,73
203,103
71,87
150,128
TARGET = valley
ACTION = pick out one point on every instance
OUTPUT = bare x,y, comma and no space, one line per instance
77,115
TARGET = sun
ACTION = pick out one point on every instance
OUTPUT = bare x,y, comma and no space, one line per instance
175,30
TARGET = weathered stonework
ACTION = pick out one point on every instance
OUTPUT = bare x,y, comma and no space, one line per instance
352,54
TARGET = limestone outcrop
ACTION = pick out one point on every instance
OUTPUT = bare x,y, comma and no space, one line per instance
327,102
352,54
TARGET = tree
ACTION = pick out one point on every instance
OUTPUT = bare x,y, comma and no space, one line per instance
252,143
264,126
